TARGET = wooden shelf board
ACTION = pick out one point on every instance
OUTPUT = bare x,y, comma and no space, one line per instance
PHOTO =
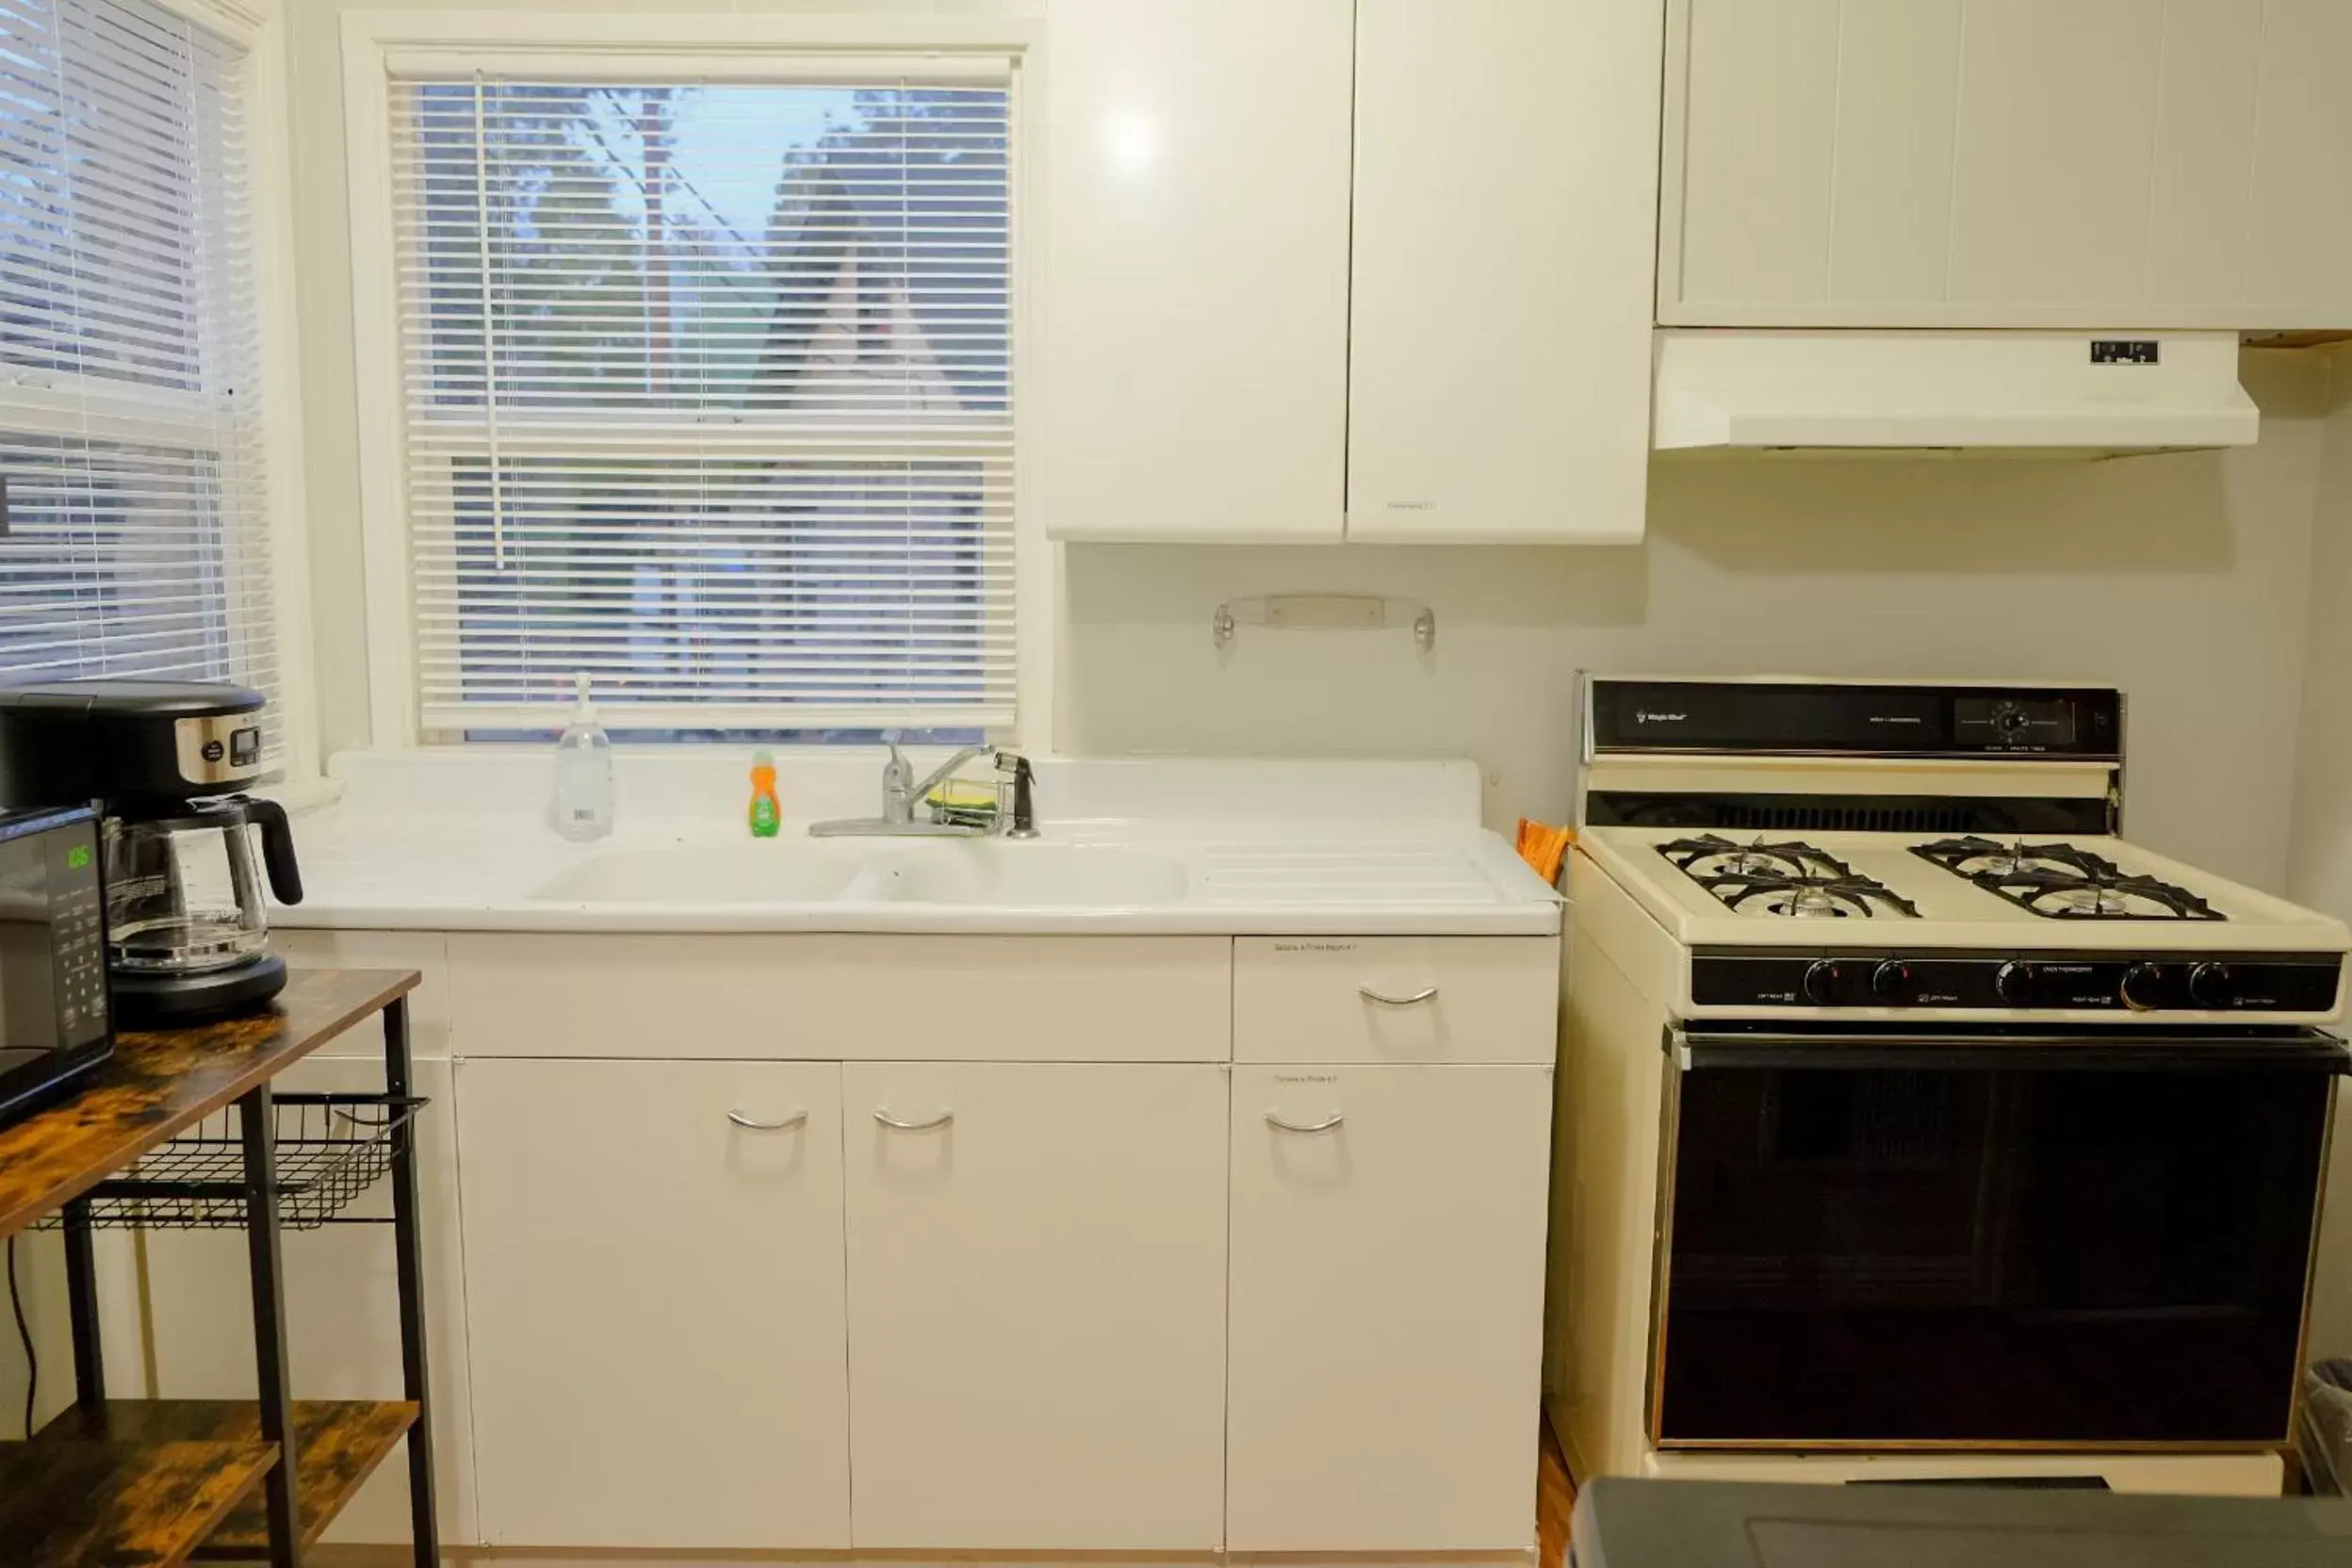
338,1443
124,1505
163,1082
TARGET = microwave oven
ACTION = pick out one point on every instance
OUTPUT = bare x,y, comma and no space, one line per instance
55,1022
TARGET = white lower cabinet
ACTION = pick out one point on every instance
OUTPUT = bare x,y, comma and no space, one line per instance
1036,1293
655,1293
1387,1257
1062,1305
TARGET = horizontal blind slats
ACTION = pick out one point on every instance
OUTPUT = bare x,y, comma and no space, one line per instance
708,394
138,533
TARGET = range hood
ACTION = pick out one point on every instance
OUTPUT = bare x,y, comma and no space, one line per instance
1992,392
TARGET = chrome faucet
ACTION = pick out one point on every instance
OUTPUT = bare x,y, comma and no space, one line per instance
899,796
902,793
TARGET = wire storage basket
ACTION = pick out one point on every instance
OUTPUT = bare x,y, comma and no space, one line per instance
330,1149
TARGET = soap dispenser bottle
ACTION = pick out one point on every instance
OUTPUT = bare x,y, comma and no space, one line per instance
582,804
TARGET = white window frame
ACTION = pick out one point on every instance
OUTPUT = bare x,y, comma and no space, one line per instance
56,403
776,46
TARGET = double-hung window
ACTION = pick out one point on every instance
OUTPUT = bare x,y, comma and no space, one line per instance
706,394
136,537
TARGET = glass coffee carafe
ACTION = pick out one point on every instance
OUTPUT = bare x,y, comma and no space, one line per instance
186,916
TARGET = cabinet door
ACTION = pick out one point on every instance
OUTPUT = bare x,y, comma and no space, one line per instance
2099,163
1037,1285
1194,324
1505,262
1387,1307
655,1293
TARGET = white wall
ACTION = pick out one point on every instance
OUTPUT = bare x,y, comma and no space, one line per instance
2321,871
2180,578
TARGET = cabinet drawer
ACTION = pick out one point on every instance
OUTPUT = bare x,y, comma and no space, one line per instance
1395,999
843,998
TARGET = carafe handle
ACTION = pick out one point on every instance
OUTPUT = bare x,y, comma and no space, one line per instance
277,848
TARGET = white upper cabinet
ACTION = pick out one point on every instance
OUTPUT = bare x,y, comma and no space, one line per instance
1505,199
2083,163
1193,302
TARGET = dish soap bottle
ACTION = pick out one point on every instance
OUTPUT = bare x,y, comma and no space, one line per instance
582,807
767,814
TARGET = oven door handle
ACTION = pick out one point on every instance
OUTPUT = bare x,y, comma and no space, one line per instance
1700,1050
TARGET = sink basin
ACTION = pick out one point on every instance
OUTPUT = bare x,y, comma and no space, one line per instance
778,872
987,872
972,872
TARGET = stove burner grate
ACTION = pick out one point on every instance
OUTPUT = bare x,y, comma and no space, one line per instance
1786,880
2062,882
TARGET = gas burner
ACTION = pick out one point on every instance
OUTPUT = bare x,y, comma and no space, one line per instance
2061,882
1789,880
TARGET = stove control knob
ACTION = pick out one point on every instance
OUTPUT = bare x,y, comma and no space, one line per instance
2014,982
2141,985
1890,982
1826,983
2213,985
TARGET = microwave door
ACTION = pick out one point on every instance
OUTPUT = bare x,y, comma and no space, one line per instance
28,1002
1883,1239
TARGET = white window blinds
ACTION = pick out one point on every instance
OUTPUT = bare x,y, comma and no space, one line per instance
130,418
709,395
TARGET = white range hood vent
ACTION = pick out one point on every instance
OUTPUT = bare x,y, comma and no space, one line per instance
2016,392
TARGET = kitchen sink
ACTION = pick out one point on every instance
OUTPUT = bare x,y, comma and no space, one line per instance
991,872
774,872
970,873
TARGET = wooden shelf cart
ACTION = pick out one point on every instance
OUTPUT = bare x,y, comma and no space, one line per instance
182,1127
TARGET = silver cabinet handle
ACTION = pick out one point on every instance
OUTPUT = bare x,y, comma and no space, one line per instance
755,1124
886,1119
1427,993
1274,1119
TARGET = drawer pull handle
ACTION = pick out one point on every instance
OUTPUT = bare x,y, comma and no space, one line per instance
1427,993
886,1119
1274,1119
752,1123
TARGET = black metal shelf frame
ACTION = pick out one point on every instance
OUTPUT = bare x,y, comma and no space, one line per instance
233,1170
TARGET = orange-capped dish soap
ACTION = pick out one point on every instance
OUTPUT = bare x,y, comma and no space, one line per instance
767,814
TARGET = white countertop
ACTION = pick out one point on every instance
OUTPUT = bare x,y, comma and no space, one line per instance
457,840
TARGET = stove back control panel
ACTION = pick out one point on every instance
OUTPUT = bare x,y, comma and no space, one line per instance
2254,982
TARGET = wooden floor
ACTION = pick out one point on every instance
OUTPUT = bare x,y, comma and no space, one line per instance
1555,1496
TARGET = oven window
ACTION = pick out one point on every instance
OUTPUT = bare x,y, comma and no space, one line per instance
2056,1256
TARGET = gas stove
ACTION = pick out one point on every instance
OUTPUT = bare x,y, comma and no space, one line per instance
1773,923
1783,836
1911,1112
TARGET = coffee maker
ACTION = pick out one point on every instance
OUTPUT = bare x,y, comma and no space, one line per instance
166,762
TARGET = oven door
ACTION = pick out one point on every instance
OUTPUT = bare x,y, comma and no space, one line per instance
1884,1237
